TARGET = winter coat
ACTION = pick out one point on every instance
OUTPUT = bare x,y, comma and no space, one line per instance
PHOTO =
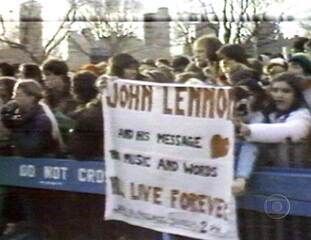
246,153
32,134
294,126
5,139
86,139
285,142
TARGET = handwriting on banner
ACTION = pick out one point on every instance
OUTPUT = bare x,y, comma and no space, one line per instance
161,138
198,102
179,140
165,164
200,170
132,159
219,145
170,153
178,199
131,134
182,101
133,97
187,168
173,219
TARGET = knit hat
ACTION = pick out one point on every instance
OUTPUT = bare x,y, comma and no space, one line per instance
302,61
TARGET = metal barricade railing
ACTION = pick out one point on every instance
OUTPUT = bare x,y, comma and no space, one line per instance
277,204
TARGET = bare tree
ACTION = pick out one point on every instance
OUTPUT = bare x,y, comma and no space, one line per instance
52,43
187,31
184,36
237,19
62,32
98,26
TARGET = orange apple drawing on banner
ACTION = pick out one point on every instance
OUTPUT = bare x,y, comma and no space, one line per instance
219,146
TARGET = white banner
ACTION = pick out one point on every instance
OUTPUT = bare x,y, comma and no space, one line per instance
169,158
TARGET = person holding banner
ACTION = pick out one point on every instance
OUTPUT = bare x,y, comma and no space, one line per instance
287,132
85,140
124,66
253,105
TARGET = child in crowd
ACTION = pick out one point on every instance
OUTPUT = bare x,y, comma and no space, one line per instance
287,129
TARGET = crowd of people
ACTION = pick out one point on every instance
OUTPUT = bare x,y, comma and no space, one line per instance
48,111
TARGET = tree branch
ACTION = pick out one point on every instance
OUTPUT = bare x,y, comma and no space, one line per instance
22,47
2,26
73,10
79,47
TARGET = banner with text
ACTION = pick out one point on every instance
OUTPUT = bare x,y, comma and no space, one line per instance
169,158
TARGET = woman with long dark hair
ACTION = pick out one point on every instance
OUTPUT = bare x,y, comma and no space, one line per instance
288,126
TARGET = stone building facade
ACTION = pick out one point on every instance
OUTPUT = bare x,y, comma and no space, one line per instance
83,48
30,28
30,35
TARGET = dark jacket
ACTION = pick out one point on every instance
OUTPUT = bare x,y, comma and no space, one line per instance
86,139
63,102
32,134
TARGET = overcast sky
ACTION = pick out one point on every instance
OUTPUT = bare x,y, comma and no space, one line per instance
55,9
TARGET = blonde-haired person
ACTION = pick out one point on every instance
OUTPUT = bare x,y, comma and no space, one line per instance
32,128
204,57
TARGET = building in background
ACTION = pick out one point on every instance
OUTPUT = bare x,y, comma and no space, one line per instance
29,34
30,27
84,48
155,39
157,33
